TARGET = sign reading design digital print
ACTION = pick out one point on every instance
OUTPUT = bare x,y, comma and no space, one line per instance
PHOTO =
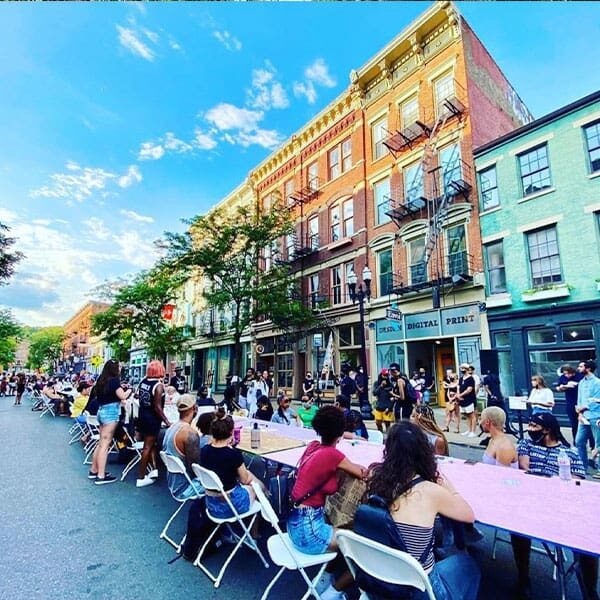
389,331
421,325
460,320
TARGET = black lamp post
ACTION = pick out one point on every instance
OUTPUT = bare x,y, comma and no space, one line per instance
361,292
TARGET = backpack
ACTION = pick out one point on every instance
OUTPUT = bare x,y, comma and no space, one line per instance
409,391
280,488
199,527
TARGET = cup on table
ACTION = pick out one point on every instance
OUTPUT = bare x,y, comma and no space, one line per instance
237,435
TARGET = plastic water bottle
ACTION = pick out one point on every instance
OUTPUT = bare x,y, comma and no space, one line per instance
255,438
564,465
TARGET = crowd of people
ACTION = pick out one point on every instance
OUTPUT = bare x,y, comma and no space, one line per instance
407,484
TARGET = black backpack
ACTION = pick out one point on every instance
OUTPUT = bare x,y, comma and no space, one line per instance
199,527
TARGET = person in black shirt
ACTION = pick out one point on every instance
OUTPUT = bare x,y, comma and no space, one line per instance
308,385
204,399
347,385
229,393
264,409
178,381
568,383
466,399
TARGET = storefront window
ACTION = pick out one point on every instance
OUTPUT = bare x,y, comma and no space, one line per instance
501,338
224,356
580,332
505,369
388,354
541,336
548,362
350,356
285,369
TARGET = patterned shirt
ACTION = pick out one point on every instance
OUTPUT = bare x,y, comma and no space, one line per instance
543,460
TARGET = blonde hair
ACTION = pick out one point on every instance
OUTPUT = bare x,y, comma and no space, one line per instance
495,415
539,379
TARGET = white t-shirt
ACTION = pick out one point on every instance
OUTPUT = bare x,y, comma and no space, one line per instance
542,397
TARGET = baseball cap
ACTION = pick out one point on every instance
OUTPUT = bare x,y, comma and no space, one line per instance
384,372
465,366
185,402
394,367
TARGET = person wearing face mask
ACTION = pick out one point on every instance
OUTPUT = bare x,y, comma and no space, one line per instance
308,385
538,455
541,397
183,441
203,398
307,412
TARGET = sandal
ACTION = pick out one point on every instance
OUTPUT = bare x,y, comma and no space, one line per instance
445,430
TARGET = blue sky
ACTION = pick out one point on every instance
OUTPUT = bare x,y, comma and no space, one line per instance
119,119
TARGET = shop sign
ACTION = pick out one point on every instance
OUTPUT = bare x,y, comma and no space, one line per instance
460,320
393,314
388,330
420,325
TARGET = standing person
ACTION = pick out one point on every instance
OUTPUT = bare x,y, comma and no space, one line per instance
229,393
252,395
491,385
246,383
109,395
450,385
588,410
467,398
500,451
428,384
347,385
384,406
308,385
567,383
415,493
362,392
541,397
178,381
476,379
402,402
284,415
417,384
20,388
262,385
151,393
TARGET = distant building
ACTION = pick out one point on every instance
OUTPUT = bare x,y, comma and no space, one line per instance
539,196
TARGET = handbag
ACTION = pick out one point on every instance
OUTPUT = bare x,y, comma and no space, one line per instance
341,507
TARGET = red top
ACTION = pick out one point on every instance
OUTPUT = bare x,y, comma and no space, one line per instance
317,469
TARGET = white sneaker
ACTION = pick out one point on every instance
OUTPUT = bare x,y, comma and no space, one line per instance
471,434
465,432
332,594
153,474
144,482
323,582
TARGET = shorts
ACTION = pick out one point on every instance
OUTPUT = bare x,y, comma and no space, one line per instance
308,530
148,424
109,413
381,415
467,410
220,509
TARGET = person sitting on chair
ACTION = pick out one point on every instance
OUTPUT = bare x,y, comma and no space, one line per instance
501,450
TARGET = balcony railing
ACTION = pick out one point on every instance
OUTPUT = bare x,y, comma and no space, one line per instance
409,205
455,179
306,193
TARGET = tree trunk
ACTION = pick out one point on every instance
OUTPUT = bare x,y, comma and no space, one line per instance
237,354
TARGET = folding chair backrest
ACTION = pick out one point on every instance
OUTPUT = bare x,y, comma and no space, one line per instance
209,479
173,463
205,409
382,562
375,436
266,508
91,420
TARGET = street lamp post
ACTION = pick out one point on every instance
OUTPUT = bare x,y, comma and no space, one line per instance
361,292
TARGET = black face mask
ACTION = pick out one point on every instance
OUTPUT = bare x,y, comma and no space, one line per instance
536,436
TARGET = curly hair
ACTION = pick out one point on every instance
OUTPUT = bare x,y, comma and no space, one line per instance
329,423
407,453
424,417
222,429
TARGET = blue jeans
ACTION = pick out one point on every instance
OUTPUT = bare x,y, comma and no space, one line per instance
454,578
426,396
308,530
584,434
219,508
109,413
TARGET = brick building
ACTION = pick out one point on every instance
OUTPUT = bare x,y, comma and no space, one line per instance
383,178
539,194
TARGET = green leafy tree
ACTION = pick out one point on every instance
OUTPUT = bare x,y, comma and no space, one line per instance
8,257
226,249
45,347
137,310
10,333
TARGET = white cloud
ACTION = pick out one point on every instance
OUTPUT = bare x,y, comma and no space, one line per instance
151,35
136,250
7,216
150,151
226,116
316,74
131,214
174,44
130,40
174,144
96,228
132,176
204,141
266,92
228,40
267,138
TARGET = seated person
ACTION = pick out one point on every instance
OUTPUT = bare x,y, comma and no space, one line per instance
501,450
182,441
205,422
171,395
307,411
228,464
424,418
264,408
59,402
539,455
203,398
408,483
284,415
355,427
80,402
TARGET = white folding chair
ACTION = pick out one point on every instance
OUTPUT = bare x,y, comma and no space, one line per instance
77,431
47,406
375,436
211,482
93,427
382,562
137,448
283,553
175,465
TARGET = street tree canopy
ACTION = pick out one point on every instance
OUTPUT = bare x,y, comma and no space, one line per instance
8,257
228,250
136,311
10,333
45,347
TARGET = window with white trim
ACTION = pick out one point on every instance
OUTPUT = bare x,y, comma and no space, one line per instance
314,289
443,88
348,271
409,111
488,188
346,154
378,134
416,256
544,257
385,272
336,285
333,159
534,167
348,217
313,232
334,223
592,138
290,245
381,193
288,191
458,263
451,166
494,262
312,174
413,183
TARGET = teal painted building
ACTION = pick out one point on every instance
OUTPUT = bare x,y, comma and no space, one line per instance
539,202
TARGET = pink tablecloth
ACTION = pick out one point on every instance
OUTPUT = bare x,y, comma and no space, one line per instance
289,431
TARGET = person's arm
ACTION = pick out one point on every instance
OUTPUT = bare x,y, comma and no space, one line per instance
505,455
122,394
460,395
191,447
524,462
451,504
440,447
353,469
156,404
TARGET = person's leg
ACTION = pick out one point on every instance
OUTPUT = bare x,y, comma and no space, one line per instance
572,414
457,415
583,433
588,567
149,441
101,452
521,551
457,576
379,425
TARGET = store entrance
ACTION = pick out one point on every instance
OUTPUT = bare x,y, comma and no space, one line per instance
435,357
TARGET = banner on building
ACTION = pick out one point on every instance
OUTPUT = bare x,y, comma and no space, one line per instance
327,361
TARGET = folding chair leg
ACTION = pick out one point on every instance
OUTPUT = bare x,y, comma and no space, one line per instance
198,561
494,544
163,533
312,591
273,582
132,463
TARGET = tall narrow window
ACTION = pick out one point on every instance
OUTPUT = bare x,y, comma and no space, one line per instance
336,285
418,269
535,170
451,167
544,258
290,245
378,134
385,272
348,271
409,112
289,190
313,233
457,251
313,176
381,192
346,154
443,88
314,289
334,162
334,221
413,185
348,214
592,138
488,188
494,261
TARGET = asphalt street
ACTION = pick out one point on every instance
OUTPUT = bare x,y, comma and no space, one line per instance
63,537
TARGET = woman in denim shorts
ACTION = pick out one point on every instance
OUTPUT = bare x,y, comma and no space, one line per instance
318,478
109,395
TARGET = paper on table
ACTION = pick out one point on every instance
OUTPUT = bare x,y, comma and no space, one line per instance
517,403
